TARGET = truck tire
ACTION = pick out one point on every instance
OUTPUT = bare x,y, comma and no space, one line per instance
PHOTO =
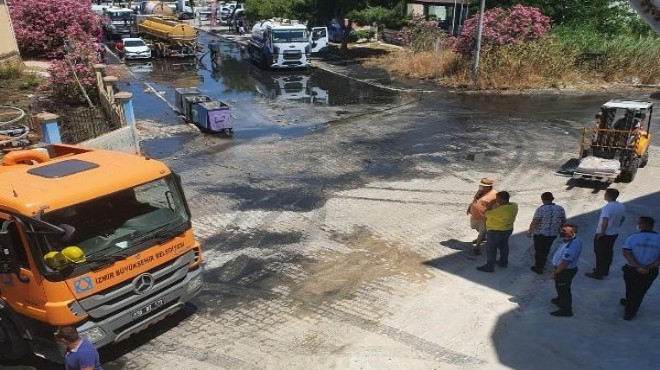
629,174
645,159
12,345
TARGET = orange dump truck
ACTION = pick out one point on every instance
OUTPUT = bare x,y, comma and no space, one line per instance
96,239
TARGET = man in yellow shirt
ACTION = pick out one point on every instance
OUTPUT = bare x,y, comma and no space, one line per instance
500,217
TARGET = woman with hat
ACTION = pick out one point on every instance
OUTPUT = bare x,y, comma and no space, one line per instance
477,211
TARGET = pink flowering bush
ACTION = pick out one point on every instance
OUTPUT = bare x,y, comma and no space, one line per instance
516,25
41,26
73,73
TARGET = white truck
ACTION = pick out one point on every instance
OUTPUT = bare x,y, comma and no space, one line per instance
289,87
285,44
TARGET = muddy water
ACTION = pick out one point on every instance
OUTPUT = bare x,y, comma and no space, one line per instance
263,103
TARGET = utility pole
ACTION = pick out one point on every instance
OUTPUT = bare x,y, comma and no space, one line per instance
475,66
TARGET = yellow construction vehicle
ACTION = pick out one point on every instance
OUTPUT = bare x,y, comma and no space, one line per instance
618,143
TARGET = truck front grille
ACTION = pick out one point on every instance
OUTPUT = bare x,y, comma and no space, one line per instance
118,297
296,55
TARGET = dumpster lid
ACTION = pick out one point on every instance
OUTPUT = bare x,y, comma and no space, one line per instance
216,104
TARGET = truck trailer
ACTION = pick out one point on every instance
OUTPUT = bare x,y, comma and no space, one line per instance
285,43
168,36
95,239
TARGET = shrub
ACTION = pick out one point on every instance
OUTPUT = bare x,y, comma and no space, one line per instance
10,71
421,35
73,76
541,64
503,27
42,26
354,36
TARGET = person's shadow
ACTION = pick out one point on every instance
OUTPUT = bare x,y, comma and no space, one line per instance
457,245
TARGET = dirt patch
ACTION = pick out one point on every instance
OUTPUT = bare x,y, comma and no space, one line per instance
19,91
341,276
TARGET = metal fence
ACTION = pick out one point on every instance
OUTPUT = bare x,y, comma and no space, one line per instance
80,123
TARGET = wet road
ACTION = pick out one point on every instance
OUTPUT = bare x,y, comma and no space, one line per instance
284,103
324,222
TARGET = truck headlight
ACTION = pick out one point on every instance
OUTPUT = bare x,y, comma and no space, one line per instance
94,334
195,284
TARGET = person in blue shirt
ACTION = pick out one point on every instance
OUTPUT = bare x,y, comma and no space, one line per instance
642,253
80,352
565,262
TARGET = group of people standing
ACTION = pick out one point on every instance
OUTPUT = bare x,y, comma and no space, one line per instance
492,215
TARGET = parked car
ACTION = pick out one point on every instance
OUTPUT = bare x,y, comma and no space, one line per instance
135,48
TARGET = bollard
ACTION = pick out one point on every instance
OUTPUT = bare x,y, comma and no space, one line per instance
100,73
109,83
124,98
49,128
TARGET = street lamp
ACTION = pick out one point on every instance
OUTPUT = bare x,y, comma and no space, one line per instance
475,66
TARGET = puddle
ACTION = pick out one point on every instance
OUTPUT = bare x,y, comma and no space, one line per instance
263,103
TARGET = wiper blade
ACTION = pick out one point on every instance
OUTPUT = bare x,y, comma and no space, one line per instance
162,235
106,260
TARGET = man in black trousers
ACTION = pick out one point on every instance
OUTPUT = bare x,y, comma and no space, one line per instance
565,262
544,228
642,253
611,218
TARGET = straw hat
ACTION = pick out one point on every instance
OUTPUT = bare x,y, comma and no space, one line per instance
486,181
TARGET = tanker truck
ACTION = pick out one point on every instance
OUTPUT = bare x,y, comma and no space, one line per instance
168,36
155,8
285,44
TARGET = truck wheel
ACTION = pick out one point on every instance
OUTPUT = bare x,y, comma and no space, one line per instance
645,159
12,345
629,174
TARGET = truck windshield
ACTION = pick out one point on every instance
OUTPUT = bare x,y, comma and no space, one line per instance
119,16
290,36
152,212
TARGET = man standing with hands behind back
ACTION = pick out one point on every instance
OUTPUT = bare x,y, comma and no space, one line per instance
565,262
611,218
642,253
477,211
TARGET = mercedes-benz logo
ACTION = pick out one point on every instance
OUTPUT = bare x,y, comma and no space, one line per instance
143,283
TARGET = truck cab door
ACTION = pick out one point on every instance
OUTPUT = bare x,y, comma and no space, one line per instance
319,39
21,287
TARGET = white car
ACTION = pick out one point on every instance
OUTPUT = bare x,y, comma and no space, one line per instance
135,48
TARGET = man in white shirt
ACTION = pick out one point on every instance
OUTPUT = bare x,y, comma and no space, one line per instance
609,224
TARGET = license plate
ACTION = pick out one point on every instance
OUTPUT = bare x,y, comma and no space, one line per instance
146,309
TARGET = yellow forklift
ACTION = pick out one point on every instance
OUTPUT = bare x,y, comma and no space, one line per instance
617,144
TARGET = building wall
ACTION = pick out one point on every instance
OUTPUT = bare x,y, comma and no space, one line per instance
412,9
8,46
